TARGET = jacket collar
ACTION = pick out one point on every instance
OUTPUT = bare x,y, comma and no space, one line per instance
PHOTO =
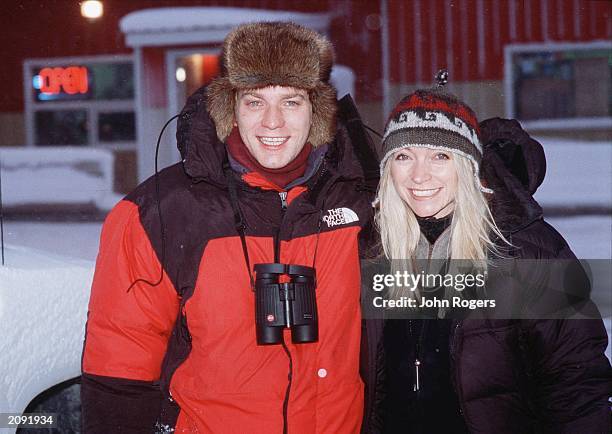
257,180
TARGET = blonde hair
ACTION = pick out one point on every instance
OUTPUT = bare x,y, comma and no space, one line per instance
472,223
472,226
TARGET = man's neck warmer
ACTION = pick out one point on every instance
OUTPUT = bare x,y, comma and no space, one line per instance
280,177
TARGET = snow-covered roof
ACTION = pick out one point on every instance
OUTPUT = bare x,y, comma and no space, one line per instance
189,25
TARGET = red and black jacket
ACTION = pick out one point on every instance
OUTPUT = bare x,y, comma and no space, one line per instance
185,348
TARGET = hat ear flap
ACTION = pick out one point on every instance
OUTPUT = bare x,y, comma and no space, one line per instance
326,57
324,107
220,106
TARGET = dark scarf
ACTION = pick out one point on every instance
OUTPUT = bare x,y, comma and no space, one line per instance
433,228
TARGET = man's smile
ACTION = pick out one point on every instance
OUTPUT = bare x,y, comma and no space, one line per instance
272,141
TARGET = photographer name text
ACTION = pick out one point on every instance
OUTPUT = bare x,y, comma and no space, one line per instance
432,302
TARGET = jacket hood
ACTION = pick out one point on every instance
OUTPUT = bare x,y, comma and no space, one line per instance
350,155
514,166
202,153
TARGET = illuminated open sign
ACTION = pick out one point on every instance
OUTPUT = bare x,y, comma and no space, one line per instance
83,81
71,80
57,83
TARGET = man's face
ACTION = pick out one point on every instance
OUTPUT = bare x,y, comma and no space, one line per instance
274,123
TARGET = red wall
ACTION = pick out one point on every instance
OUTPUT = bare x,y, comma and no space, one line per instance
468,36
425,35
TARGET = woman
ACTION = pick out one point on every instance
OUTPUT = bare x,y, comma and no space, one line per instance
474,375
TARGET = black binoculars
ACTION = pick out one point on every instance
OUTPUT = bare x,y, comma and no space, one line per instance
290,305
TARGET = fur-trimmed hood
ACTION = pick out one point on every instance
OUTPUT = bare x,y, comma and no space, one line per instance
275,54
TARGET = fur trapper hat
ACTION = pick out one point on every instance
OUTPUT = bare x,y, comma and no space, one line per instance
275,54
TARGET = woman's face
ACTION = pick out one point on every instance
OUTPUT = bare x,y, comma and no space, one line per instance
426,179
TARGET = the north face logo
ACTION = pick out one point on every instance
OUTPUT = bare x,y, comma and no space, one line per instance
340,216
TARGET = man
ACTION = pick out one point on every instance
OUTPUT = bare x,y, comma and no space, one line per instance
275,179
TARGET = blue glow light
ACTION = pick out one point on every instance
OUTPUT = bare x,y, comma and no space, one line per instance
36,82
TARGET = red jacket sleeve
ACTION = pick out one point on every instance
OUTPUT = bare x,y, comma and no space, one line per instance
127,331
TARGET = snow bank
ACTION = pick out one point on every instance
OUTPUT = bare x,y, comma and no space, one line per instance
57,175
43,307
73,239
578,173
590,237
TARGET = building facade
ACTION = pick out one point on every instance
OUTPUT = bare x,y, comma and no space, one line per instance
112,82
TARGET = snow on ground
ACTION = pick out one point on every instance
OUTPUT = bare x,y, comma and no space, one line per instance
41,341
590,237
577,173
74,240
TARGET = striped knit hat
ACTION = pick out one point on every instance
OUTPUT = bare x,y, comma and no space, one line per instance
434,119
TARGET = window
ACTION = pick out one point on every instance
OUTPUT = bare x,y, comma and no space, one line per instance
116,127
560,85
61,127
81,102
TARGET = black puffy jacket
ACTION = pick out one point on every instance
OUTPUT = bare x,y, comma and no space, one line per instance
515,376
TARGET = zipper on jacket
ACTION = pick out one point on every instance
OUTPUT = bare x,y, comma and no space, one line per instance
417,353
457,375
453,337
417,363
419,339
283,198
